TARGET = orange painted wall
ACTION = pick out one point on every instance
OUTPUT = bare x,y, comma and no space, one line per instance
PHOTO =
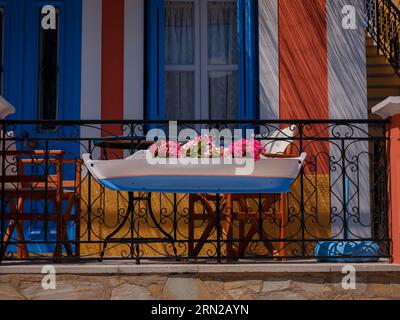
112,81
303,59
303,64
394,186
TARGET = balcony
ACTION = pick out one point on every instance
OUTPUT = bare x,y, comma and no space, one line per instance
52,208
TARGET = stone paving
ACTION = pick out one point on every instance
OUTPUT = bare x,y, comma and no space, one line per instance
200,282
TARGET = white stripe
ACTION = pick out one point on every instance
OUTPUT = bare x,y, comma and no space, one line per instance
348,100
134,60
91,65
91,59
269,59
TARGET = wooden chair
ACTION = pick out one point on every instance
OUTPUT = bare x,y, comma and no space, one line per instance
208,215
38,185
278,145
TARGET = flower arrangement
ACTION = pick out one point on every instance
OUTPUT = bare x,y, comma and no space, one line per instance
204,147
165,149
200,147
243,148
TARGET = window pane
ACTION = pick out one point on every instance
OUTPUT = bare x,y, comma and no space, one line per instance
48,73
223,95
179,32
1,48
222,32
179,95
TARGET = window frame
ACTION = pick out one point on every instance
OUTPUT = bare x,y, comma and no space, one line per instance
40,88
248,69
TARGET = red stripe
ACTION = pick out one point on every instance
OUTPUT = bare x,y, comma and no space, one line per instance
303,62
112,80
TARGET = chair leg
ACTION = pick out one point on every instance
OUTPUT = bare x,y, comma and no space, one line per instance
7,237
246,240
22,248
282,226
59,228
206,234
227,230
268,245
191,226
78,227
65,220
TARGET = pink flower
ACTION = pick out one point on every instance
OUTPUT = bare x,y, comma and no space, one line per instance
250,148
165,149
200,147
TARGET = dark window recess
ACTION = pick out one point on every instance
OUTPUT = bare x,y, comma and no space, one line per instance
48,74
1,49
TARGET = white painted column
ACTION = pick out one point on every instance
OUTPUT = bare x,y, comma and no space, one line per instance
269,59
134,60
348,100
91,66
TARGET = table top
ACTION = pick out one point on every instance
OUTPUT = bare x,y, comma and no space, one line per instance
124,143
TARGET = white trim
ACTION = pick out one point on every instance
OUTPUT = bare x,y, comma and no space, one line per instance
134,60
91,66
149,267
269,59
204,101
387,108
348,100
91,60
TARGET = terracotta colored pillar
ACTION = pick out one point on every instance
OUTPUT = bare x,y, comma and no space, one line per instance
112,63
390,109
303,65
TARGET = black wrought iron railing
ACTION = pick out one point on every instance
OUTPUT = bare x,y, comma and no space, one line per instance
53,208
383,25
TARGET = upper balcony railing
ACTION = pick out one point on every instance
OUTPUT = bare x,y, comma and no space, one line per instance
52,207
383,25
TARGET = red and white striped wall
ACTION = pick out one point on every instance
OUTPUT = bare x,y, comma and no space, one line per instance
112,59
309,66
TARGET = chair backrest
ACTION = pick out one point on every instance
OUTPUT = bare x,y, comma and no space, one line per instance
285,140
33,170
10,164
73,184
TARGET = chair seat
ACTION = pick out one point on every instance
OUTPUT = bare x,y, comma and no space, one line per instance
34,192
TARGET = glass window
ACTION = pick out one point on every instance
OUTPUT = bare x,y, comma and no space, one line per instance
201,59
179,37
48,73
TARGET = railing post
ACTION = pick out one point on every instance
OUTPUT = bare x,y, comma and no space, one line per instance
378,33
390,109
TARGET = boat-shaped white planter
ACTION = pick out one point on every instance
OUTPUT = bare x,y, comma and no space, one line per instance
137,174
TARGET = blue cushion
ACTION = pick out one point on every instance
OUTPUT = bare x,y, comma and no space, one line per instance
350,252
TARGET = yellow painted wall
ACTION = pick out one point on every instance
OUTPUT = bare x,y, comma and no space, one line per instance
105,204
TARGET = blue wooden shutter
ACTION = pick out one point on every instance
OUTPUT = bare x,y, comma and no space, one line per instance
248,64
248,59
155,60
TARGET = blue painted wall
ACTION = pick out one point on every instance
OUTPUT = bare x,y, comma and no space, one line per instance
21,64
21,58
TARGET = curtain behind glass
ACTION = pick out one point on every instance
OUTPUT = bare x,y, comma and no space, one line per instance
222,33
179,50
223,50
179,33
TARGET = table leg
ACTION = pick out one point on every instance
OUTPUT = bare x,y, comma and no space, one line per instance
158,226
128,212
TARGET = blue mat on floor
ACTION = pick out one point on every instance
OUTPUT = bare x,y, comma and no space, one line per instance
347,251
